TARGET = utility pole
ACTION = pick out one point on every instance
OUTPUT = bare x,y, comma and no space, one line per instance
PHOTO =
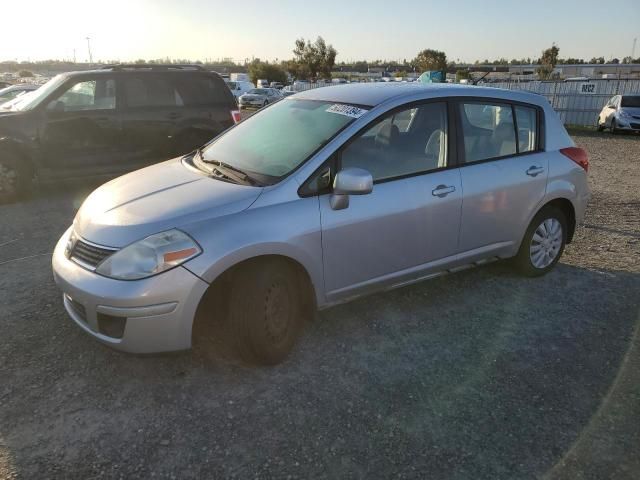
89,49
633,49
74,55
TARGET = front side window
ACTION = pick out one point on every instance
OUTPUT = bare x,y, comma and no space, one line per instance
99,94
275,141
405,142
488,131
630,101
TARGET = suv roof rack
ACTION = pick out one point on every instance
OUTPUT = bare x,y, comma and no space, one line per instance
152,66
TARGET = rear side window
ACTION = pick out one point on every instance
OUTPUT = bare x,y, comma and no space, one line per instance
488,131
150,91
202,90
630,101
527,128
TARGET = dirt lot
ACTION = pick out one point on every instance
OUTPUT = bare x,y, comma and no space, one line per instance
478,375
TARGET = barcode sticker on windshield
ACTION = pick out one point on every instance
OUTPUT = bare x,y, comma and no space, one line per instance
348,110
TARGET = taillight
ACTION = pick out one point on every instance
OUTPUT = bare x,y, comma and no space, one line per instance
578,155
235,114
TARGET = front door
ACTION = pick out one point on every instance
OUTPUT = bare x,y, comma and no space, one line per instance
81,128
411,218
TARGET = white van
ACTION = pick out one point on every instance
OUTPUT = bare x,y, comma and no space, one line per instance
262,83
239,87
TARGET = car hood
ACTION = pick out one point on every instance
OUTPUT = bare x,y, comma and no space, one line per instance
154,199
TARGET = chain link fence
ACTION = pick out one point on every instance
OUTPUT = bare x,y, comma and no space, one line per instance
577,102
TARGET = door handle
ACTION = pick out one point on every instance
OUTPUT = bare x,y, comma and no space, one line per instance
442,191
533,171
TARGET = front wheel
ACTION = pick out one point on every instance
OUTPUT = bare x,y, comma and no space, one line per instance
613,128
266,311
543,243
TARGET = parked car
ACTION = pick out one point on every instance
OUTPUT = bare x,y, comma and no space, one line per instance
323,197
259,97
239,87
110,121
9,93
276,85
621,113
287,91
262,83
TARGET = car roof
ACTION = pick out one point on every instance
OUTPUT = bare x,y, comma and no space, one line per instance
373,94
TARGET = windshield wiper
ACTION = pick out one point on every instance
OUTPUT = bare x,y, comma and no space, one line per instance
230,171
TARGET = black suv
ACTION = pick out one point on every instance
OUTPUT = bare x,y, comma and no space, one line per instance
110,121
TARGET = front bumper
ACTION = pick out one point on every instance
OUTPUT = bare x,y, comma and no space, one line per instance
157,313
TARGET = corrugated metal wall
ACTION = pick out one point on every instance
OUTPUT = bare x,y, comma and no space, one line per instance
574,107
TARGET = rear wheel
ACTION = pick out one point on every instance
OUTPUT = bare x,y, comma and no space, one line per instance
14,179
266,311
599,126
543,243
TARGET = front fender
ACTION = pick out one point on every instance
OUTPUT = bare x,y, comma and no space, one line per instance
289,229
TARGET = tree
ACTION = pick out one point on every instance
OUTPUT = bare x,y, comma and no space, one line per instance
429,59
614,61
264,70
548,61
312,60
597,60
25,73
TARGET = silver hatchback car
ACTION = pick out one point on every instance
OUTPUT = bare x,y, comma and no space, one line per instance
325,196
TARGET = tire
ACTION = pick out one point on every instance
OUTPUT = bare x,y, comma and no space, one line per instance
15,181
265,103
528,260
599,127
266,311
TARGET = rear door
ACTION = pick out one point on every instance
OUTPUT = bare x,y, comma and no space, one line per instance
504,175
152,108
207,107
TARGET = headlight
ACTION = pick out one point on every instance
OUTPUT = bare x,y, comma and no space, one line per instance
71,241
150,256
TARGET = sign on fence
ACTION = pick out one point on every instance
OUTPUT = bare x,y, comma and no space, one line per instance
588,88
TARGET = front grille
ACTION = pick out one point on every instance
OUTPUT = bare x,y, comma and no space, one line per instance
89,255
78,309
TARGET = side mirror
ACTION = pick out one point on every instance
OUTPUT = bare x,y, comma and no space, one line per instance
350,181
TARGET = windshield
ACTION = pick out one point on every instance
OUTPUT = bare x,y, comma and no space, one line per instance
34,98
277,140
258,91
630,101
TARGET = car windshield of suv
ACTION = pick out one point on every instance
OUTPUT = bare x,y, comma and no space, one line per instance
630,101
35,97
275,141
258,91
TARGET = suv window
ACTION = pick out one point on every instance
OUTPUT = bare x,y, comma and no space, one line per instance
150,91
488,131
526,119
201,90
410,141
97,94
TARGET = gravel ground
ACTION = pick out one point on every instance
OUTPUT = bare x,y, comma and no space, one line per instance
479,375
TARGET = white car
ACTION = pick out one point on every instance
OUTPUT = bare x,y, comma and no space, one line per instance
14,91
239,87
621,113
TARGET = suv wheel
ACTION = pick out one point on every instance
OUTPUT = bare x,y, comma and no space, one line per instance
543,243
266,311
599,126
14,181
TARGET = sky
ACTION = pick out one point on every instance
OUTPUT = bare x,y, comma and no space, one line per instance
465,30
